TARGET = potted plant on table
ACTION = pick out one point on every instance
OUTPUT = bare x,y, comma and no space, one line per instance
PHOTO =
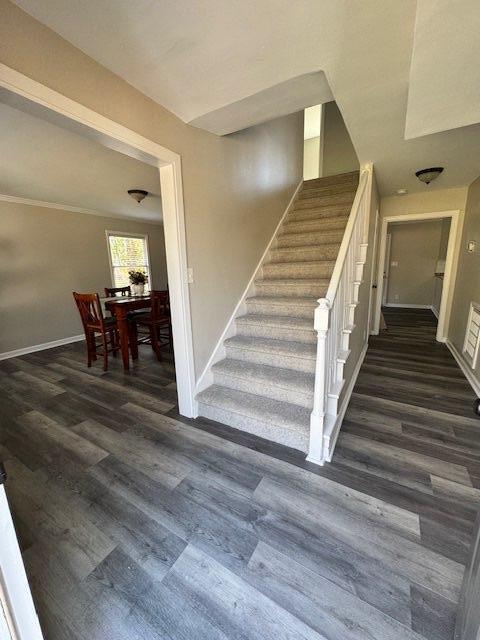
138,280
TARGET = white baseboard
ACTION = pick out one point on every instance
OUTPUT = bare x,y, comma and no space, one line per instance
435,311
40,347
218,353
465,367
330,439
408,306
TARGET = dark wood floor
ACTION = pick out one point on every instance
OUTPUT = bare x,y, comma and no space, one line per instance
135,524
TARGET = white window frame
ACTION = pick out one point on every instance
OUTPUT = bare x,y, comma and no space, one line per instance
125,234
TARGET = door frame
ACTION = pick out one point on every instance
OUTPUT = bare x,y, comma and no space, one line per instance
74,116
453,248
386,268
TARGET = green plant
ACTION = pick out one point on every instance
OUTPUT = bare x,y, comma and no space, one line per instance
138,277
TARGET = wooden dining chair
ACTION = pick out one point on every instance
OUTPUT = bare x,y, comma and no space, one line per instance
157,322
113,292
94,323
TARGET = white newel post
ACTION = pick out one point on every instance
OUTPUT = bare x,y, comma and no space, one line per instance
317,418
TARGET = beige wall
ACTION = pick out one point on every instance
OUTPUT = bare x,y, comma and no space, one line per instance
311,158
415,247
338,153
45,255
235,187
425,201
467,284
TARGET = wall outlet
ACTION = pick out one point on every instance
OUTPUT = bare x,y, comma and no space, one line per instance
471,246
189,275
394,264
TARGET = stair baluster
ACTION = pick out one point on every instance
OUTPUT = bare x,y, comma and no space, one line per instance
334,323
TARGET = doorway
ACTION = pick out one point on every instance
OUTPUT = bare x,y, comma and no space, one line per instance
442,267
17,89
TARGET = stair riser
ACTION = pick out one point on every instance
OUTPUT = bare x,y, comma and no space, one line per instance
276,332
332,190
294,438
273,359
284,310
340,179
318,213
304,290
305,254
323,201
268,390
308,239
315,225
297,270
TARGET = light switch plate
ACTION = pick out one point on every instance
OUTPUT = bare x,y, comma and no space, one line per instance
189,275
471,246
394,264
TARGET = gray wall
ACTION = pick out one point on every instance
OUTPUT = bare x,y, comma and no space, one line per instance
467,284
236,187
45,254
338,153
415,247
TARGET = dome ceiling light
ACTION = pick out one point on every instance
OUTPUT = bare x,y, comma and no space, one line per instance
137,194
427,175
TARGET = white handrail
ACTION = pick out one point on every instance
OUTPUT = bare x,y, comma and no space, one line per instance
334,321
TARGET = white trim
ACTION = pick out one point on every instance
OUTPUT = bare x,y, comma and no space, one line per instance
465,367
113,135
330,438
15,591
399,305
218,353
72,209
125,234
454,240
40,347
435,311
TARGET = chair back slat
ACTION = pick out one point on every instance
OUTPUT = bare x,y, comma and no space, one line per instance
113,292
90,309
160,304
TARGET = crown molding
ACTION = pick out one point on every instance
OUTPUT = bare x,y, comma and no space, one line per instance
72,209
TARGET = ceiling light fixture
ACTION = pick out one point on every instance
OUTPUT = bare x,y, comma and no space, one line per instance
137,194
427,175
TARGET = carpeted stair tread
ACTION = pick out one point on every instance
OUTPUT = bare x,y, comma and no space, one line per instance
260,415
285,347
275,375
277,321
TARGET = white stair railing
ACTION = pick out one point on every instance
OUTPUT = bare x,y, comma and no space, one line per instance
335,321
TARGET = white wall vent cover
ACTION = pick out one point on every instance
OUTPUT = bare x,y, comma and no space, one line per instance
472,335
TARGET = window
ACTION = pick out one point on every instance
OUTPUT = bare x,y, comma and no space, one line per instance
127,252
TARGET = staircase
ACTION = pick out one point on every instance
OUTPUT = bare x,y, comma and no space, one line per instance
265,384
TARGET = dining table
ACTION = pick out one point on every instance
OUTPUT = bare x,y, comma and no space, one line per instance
121,307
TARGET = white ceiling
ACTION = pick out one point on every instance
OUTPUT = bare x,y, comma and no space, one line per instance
43,162
444,86
284,98
199,58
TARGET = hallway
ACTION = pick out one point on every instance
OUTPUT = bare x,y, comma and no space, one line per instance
135,524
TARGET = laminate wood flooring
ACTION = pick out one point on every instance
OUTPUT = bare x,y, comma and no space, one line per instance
136,523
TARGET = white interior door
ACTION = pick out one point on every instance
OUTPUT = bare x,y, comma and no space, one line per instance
18,618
